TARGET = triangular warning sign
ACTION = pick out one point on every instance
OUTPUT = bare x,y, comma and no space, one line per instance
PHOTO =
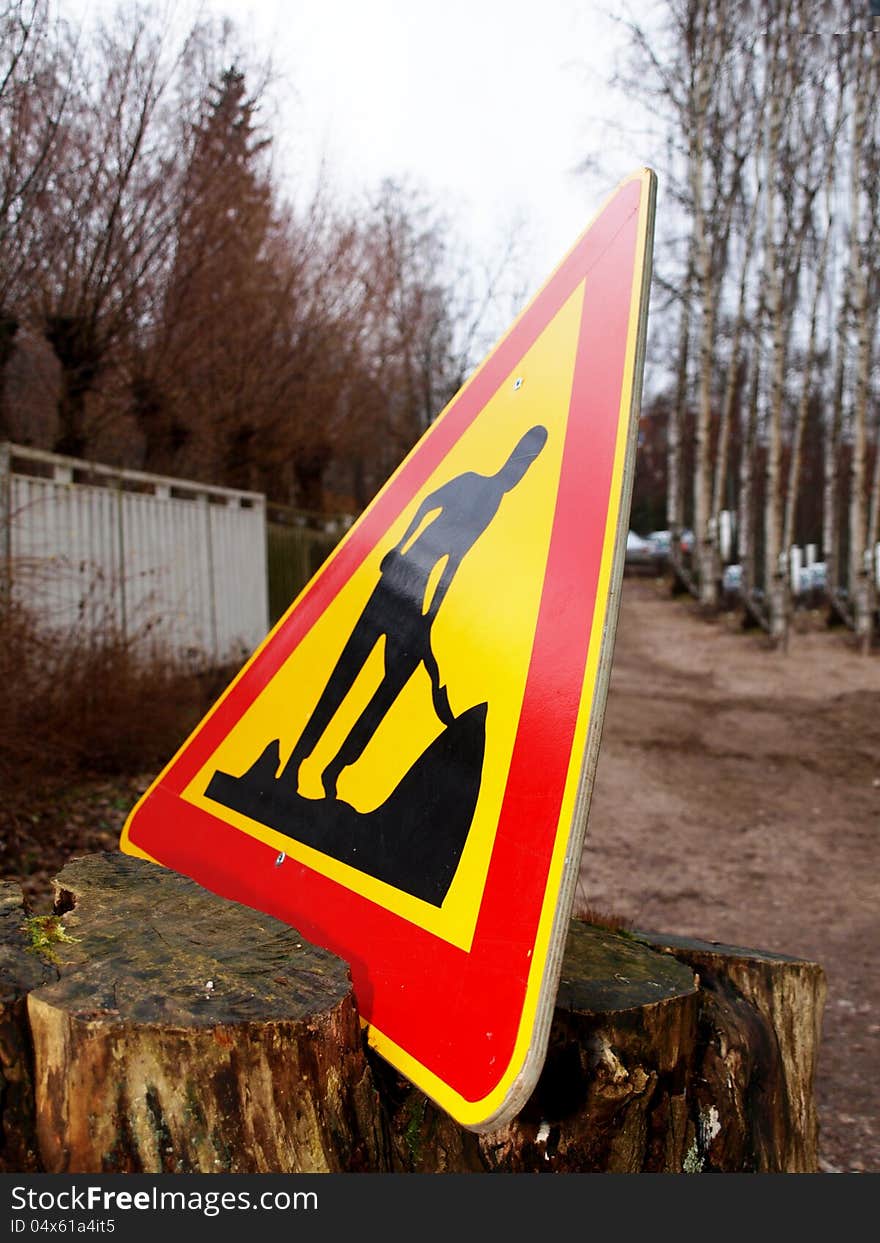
403,768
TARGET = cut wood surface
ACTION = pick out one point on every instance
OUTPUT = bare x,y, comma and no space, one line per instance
186,1033
173,1031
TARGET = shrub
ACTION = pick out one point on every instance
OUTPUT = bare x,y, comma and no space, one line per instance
97,706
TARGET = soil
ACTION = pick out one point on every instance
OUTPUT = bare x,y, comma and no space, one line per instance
737,799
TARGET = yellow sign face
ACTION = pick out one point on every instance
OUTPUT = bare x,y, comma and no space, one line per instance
482,640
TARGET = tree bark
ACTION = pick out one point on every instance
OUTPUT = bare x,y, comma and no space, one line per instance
8,330
831,503
774,572
730,388
176,1032
794,468
20,972
706,67
675,434
874,525
872,195
746,543
863,313
760,1021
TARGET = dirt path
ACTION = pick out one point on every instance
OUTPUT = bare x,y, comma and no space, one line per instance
737,798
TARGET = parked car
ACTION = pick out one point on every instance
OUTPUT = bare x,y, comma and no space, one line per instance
812,580
661,545
638,550
731,580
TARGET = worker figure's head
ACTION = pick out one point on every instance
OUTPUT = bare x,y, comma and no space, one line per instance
525,452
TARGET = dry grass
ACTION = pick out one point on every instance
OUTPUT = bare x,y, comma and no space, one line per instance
79,712
609,920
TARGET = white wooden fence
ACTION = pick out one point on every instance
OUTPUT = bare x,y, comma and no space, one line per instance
177,565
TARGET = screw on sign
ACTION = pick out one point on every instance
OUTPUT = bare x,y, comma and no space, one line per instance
416,739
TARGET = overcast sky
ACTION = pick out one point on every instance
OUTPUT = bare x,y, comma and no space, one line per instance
490,106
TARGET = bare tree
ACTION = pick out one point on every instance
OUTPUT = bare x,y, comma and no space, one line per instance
725,112
829,147
108,224
34,92
734,367
199,389
736,83
865,232
746,541
675,433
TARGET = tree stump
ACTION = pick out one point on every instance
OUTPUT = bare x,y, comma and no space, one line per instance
612,1095
20,972
651,1068
189,1034
760,1023
168,1030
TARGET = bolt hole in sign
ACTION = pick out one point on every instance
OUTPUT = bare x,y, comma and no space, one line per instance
403,769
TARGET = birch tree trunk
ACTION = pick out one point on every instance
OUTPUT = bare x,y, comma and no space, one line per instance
746,518
674,490
737,109
794,470
831,465
774,575
872,184
794,465
874,518
813,127
858,570
723,448
705,534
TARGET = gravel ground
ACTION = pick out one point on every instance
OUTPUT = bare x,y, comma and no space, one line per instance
737,798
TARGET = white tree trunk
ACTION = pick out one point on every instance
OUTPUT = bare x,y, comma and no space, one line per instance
775,576
794,470
863,315
723,448
704,535
675,429
746,515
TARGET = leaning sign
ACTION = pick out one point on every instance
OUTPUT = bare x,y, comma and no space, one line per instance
403,768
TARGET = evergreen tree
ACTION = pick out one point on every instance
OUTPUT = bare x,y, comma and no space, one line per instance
219,307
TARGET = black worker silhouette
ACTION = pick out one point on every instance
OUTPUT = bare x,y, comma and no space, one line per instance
415,838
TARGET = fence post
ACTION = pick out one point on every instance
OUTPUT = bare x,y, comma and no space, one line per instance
120,528
5,523
726,534
212,586
796,559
